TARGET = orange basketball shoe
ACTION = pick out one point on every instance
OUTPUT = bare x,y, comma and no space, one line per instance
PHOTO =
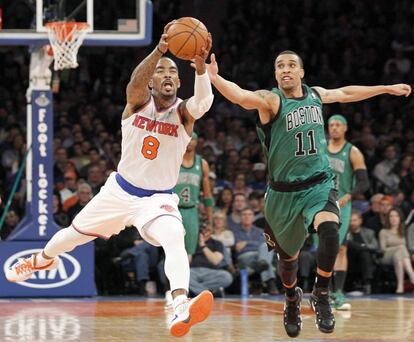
190,313
25,267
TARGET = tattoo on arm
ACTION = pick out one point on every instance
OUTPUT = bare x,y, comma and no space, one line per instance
143,72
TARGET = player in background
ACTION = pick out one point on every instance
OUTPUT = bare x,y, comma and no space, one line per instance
192,180
350,170
156,129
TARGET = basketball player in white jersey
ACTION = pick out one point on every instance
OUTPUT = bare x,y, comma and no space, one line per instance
156,129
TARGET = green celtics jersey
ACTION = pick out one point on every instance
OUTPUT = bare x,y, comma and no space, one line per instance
294,141
342,167
189,184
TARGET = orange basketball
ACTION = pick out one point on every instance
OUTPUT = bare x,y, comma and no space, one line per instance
186,37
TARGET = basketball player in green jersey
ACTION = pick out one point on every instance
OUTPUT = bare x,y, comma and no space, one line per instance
193,176
348,164
301,192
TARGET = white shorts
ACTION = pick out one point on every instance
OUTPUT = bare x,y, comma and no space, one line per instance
112,209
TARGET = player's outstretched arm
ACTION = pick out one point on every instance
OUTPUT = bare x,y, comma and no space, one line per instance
137,90
197,105
245,98
359,93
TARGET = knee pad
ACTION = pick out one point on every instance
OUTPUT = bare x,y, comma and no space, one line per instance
328,245
288,271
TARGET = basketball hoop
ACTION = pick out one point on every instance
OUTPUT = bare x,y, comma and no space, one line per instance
66,39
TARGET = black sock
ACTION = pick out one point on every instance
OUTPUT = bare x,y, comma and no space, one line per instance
290,291
339,280
322,283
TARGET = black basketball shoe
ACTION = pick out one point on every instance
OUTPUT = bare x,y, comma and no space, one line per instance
319,302
291,314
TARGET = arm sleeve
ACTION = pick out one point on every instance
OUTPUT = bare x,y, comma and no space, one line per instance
203,96
362,182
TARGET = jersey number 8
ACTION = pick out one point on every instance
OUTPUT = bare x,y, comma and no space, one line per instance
150,147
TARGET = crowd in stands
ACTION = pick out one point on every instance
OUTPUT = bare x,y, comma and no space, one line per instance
341,43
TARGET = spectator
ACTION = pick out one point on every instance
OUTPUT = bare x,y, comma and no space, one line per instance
10,222
240,186
378,220
394,245
60,217
362,248
70,185
224,235
251,250
387,179
224,201
205,272
239,203
259,174
96,177
84,195
139,259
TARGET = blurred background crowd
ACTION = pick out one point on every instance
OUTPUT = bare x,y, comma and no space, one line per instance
341,43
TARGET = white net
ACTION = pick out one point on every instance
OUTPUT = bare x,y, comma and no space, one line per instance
66,39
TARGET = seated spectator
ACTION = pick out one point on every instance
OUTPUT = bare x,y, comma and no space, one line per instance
84,195
387,179
140,259
239,203
224,235
60,217
70,185
394,245
205,272
410,240
372,214
377,222
362,248
259,174
10,222
224,201
239,185
251,250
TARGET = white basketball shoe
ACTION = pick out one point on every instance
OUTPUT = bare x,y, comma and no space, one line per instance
25,267
191,312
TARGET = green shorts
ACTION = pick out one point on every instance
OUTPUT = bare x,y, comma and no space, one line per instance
290,214
191,225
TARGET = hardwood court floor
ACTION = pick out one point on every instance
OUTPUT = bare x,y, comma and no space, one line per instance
376,318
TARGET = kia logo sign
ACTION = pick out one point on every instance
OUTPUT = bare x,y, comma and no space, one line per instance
68,270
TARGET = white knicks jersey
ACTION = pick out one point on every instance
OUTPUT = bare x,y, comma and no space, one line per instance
153,146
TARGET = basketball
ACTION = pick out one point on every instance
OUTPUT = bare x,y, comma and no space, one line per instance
186,37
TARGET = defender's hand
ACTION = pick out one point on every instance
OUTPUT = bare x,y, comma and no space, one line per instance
399,89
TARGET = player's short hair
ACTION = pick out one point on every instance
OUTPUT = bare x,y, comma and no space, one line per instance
290,52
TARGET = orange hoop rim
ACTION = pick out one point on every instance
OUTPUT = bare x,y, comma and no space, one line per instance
69,24
65,28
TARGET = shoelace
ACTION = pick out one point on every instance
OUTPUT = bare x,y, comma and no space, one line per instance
292,311
324,307
23,265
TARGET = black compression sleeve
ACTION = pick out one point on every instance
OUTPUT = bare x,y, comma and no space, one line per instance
362,182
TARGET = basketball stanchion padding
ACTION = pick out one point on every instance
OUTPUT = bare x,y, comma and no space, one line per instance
66,39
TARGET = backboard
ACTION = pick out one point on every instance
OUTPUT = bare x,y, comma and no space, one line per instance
111,22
